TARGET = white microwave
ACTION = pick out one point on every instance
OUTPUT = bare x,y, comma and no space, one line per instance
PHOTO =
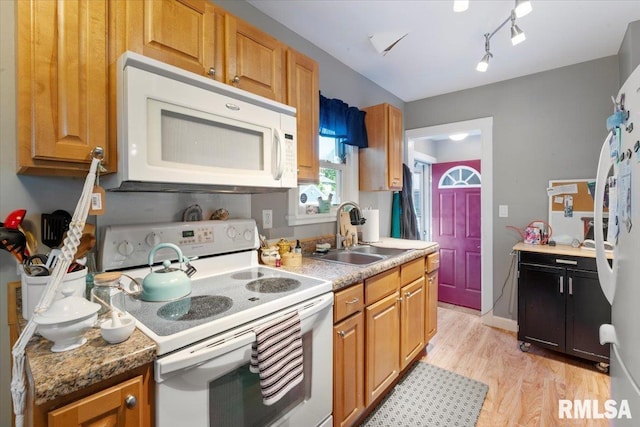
178,131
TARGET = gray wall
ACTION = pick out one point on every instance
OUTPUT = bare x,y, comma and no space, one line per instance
629,53
549,125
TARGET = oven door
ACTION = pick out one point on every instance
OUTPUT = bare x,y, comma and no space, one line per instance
209,383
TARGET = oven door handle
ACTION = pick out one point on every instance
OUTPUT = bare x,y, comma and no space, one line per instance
217,347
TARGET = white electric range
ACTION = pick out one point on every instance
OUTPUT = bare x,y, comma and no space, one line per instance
204,339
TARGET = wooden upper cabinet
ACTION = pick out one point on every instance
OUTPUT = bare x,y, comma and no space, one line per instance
254,59
64,85
177,32
303,94
381,162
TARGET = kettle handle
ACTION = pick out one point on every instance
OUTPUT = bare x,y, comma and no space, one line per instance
165,245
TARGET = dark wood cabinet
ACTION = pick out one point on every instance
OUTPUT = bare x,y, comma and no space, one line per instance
561,305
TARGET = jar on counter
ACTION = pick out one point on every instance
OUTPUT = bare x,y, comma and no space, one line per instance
106,290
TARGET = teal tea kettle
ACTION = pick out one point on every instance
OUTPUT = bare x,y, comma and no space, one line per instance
167,284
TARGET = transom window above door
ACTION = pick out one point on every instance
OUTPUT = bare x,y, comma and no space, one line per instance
460,176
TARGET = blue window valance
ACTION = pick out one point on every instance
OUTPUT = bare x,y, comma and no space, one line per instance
342,122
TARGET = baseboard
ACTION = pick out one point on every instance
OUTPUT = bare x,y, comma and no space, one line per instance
499,322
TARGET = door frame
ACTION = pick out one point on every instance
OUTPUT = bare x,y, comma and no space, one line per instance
485,125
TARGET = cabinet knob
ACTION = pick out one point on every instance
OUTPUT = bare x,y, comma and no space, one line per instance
342,334
130,401
211,72
408,294
235,80
400,299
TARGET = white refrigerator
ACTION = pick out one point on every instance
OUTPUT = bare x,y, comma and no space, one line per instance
621,282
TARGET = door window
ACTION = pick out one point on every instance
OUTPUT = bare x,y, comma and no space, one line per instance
460,176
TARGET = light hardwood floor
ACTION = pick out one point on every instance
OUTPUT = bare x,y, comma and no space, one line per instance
524,388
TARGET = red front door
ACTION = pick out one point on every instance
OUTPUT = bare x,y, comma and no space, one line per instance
456,228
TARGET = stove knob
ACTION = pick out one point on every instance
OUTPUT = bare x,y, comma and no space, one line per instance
125,248
152,239
248,235
232,232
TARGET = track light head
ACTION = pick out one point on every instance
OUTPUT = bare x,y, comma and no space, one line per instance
460,5
523,7
517,35
484,62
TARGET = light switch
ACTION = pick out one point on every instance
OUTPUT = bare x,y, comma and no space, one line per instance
503,211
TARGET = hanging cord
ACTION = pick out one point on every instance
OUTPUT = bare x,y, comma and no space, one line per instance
18,388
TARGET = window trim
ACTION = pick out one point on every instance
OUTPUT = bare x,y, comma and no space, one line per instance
351,193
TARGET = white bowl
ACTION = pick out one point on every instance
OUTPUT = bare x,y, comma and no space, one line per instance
67,335
115,334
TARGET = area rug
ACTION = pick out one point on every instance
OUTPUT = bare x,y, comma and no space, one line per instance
428,396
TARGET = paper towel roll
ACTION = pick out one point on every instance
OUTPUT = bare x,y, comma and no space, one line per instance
371,228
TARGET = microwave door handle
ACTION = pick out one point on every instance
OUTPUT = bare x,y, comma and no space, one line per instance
279,140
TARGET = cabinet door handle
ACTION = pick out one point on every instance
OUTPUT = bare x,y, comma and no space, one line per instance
342,334
570,285
562,284
130,401
235,80
400,299
566,261
353,301
211,72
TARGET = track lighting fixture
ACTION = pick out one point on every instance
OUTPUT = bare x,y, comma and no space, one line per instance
522,8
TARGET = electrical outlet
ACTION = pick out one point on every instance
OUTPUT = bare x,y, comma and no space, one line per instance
267,218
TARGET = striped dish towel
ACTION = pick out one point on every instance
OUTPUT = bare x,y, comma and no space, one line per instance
277,357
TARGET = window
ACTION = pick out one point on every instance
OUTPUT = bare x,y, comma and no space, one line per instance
460,176
317,203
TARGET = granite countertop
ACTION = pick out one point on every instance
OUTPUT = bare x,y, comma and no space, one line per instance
345,275
58,374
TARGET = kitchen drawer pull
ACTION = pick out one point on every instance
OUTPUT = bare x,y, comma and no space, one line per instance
353,301
130,401
562,284
570,285
566,261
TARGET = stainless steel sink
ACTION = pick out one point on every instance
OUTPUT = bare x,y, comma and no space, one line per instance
352,257
378,251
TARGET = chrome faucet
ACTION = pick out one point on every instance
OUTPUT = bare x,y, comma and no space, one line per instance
340,239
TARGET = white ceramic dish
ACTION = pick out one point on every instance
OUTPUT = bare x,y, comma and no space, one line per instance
66,321
67,335
118,331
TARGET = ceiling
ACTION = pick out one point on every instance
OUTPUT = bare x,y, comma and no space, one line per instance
442,48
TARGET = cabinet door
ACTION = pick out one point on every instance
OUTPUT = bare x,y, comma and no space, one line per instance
412,321
116,406
394,155
255,60
382,346
381,163
541,305
432,305
303,94
177,32
587,309
348,370
63,86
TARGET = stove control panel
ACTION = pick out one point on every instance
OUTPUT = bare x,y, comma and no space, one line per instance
125,246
